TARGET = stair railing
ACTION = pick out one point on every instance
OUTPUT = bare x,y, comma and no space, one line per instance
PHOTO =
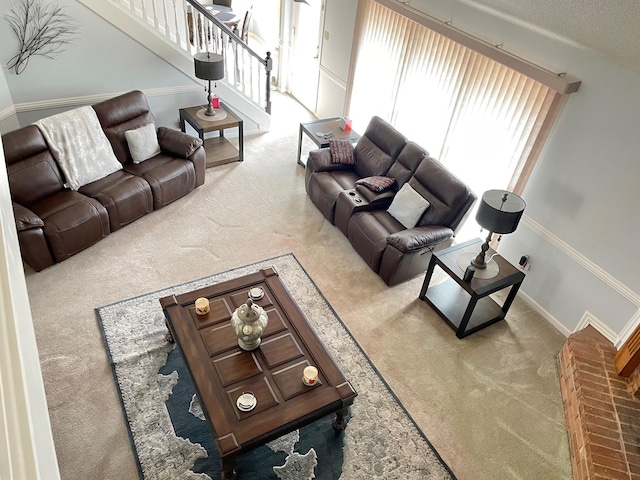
191,28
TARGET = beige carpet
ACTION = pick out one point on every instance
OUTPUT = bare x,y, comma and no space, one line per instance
490,403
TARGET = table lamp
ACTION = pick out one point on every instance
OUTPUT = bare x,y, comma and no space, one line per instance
499,212
209,66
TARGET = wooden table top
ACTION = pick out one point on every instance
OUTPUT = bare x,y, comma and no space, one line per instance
222,371
210,125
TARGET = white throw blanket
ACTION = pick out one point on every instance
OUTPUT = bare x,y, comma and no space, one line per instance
79,145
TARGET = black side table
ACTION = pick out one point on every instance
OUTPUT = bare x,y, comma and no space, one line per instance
466,306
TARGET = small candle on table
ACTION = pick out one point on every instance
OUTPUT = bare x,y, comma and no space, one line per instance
202,306
310,375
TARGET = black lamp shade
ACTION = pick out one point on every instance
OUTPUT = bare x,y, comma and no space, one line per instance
500,211
209,66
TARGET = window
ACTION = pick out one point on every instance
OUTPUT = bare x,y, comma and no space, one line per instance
482,119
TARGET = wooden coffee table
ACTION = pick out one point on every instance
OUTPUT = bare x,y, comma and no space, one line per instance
221,371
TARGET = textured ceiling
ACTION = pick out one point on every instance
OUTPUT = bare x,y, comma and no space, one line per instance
609,27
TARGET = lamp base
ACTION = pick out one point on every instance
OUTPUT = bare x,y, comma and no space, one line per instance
220,115
491,269
209,112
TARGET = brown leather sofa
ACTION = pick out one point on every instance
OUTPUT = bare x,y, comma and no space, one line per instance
54,222
393,251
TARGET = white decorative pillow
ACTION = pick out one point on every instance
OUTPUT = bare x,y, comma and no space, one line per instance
143,142
408,206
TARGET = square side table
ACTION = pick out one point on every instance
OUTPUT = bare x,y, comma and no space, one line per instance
218,149
466,306
324,125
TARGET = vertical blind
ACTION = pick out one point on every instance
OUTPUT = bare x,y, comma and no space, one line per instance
478,117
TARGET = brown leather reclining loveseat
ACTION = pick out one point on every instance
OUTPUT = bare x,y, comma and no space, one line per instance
396,251
55,222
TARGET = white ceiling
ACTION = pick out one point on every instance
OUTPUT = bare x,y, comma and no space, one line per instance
609,27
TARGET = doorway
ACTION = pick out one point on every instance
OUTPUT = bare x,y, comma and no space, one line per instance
304,70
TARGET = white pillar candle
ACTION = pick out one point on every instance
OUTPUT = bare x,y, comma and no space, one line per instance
310,375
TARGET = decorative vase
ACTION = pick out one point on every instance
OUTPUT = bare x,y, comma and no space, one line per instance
249,321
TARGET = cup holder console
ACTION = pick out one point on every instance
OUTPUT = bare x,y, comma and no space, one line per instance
354,196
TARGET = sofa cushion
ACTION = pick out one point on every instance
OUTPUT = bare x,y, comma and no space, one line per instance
407,163
324,188
143,142
368,232
72,222
444,191
370,159
126,197
408,206
377,183
122,113
378,148
33,172
341,151
170,178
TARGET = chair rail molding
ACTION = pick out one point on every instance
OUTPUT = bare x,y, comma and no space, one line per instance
7,112
91,99
608,279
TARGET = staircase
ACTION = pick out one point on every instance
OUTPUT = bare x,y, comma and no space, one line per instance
176,30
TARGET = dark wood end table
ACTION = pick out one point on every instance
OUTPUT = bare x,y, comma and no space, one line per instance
221,371
219,150
324,125
466,306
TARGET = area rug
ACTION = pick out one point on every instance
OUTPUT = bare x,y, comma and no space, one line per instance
171,439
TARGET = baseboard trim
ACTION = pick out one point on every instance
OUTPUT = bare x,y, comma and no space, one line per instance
545,314
586,263
91,99
600,273
590,319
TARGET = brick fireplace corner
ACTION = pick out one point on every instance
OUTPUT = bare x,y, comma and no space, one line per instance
601,411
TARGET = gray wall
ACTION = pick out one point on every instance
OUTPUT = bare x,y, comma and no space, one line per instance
580,226
581,223
102,60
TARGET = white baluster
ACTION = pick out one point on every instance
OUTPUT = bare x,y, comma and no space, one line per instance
166,19
175,18
155,14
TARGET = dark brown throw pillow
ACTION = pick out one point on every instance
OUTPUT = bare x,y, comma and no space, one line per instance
341,152
376,183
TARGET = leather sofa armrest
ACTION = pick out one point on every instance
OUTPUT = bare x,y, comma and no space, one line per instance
25,218
320,161
413,239
178,143
379,199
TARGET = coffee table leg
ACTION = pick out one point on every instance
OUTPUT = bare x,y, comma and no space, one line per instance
341,420
168,336
229,469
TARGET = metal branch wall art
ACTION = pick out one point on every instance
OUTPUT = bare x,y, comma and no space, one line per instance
42,29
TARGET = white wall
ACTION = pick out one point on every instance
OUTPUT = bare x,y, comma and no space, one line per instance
339,21
26,442
8,118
